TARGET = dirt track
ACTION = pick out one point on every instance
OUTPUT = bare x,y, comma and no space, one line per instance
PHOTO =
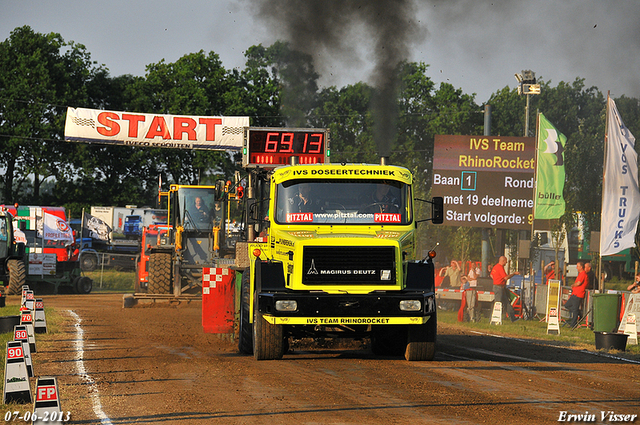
155,365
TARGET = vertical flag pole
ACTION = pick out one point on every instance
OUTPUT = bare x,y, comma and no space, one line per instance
535,192
604,172
81,231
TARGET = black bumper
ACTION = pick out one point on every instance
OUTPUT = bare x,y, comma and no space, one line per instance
382,304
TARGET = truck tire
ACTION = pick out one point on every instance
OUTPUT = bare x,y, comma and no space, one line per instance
245,332
160,273
389,340
268,339
88,262
421,344
83,285
17,276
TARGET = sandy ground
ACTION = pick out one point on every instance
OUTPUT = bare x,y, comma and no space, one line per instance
153,364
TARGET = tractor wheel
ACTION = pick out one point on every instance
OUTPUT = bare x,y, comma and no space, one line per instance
83,285
160,273
268,339
389,340
17,276
245,333
422,341
88,262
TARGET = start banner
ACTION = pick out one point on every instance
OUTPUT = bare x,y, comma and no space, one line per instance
154,130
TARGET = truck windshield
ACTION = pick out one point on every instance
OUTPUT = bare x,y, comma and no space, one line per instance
342,201
198,208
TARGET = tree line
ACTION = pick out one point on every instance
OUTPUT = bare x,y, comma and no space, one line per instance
42,74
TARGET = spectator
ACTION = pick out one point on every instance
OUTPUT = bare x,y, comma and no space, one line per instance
453,273
500,291
635,286
578,290
550,271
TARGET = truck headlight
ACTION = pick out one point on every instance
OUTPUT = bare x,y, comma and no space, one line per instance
410,305
286,305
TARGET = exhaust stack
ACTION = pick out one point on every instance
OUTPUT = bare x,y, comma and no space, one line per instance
384,160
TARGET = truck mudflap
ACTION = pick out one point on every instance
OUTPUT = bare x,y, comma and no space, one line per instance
340,309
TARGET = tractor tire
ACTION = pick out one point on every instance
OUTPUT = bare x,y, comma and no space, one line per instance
389,340
88,262
268,339
83,285
421,344
17,276
160,273
245,333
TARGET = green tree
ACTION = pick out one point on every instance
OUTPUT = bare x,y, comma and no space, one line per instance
41,73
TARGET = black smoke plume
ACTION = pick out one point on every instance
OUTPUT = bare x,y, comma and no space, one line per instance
330,30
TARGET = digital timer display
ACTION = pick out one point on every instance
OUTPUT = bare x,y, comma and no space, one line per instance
273,146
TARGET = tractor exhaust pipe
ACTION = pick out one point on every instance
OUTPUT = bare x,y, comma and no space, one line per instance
384,160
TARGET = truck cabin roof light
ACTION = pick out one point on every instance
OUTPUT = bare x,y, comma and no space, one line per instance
432,254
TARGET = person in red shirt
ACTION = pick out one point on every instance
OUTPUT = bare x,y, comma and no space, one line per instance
578,290
500,277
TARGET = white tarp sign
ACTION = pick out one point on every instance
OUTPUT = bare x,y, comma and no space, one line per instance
621,197
154,130
632,308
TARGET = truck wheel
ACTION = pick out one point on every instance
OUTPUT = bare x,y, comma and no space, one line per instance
83,285
390,340
17,276
160,273
422,341
245,333
267,338
88,262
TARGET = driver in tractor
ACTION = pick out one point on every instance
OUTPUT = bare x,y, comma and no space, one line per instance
199,212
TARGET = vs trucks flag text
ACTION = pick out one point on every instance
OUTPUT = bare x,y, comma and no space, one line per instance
549,200
620,194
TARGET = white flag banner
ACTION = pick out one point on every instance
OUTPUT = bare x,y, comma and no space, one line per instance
621,197
56,229
154,130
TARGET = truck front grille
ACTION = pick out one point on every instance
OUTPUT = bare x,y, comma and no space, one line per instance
348,265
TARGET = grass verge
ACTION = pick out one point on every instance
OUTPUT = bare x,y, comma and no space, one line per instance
110,280
582,338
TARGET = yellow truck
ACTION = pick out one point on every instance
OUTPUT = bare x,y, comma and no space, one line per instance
335,256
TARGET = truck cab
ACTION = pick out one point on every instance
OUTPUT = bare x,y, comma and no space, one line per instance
339,260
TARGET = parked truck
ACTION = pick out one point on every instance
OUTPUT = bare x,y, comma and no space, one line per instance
119,245
48,254
337,251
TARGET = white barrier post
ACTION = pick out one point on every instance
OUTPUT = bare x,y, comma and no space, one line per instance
496,316
26,318
30,301
20,334
631,330
16,380
553,325
46,408
40,324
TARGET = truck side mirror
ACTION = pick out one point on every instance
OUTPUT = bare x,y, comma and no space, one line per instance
220,184
22,225
437,210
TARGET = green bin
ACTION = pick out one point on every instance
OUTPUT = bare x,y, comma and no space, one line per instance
606,312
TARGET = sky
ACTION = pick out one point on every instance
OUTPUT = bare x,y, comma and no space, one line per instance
475,45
